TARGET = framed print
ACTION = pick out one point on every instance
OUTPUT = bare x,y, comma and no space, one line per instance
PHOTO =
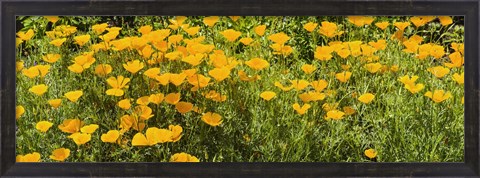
239,88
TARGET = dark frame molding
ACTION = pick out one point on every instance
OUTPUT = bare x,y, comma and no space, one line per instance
11,8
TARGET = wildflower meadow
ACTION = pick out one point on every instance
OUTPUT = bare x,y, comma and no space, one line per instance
239,89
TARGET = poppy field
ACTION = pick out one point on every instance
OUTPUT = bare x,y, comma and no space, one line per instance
239,89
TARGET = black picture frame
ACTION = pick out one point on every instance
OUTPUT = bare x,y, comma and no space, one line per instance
11,8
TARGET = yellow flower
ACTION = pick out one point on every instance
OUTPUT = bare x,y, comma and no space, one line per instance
110,137
329,106
145,30
32,157
343,76
406,80
74,95
329,29
60,154
231,35
144,112
459,78
143,100
279,38
103,69
25,36
31,72
246,41
311,96
133,66
348,110
39,89
18,41
19,66
260,30
439,71
334,114
382,25
445,20
193,60
177,79
43,69
401,25
457,60
51,58
219,74
366,98
183,157
156,98
373,67
438,95
279,85
212,119
19,110
43,126
82,39
183,107
319,85
151,137
176,132
124,104
70,125
414,88
268,95
52,19
80,138
244,77
300,84
371,153
308,69
417,21
301,110
210,21
310,26
117,84
192,30
198,81
89,129
99,28
378,45
323,53
360,20
172,98
58,42
257,63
